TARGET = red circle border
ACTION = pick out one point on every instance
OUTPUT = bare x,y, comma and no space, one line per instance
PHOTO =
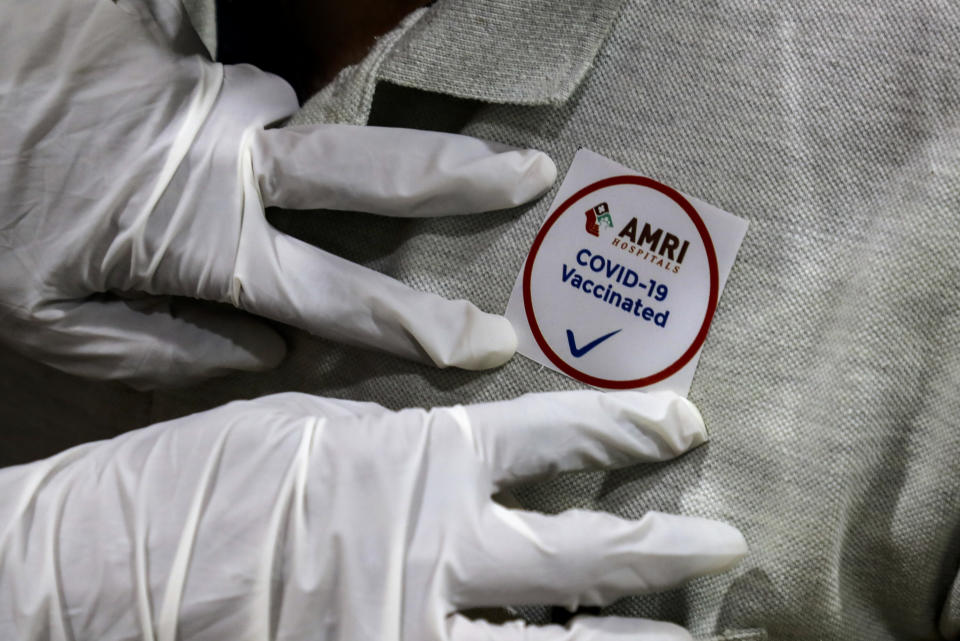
701,336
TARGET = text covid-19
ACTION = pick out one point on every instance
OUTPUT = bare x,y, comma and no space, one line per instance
615,274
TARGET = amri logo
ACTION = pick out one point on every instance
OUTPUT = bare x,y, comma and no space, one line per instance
597,216
654,245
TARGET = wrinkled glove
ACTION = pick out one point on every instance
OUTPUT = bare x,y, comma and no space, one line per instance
295,517
129,162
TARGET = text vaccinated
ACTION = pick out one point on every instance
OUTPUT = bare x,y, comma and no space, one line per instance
603,278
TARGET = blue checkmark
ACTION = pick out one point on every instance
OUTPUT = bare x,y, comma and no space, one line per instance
580,351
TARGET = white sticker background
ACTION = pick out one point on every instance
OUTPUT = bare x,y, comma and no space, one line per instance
615,310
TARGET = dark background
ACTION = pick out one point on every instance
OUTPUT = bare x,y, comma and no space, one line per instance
305,42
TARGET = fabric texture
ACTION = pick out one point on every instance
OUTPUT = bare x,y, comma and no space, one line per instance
829,378
498,45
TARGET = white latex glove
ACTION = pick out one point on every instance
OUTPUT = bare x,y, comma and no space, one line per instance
131,163
294,517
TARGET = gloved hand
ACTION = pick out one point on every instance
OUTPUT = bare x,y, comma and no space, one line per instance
296,517
129,162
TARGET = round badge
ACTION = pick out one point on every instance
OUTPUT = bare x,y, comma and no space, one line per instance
626,273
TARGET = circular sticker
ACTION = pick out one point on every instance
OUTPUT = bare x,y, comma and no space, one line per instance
621,283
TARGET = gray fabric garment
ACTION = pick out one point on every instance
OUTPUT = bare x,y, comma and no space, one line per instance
203,16
829,379
518,51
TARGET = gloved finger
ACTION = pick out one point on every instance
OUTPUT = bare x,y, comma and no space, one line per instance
153,341
539,435
581,557
459,628
288,280
397,172
320,406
